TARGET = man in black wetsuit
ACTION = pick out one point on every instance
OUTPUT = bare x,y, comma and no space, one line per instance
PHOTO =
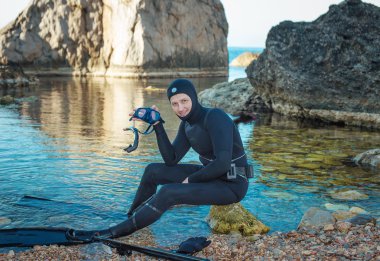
220,180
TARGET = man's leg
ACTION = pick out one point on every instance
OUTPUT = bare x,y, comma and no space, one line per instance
159,174
211,193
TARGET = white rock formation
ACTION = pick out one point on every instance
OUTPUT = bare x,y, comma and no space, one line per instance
131,38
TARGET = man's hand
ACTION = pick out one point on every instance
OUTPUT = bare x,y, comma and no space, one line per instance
185,181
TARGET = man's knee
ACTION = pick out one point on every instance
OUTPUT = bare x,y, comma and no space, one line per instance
150,171
168,195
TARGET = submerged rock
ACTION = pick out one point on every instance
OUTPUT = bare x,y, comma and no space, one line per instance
6,100
280,195
361,219
343,215
235,218
348,195
4,221
244,59
369,158
316,217
327,69
119,38
334,207
358,210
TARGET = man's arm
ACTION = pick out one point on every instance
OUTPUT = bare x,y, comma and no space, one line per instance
172,153
220,128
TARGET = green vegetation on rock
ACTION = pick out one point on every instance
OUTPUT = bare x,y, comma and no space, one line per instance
235,218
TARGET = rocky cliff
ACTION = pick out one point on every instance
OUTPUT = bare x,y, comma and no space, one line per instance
131,38
328,69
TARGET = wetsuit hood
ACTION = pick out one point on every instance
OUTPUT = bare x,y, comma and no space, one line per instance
185,86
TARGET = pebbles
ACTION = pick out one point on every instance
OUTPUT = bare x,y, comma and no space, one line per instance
356,242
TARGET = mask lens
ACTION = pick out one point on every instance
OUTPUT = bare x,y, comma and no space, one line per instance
154,115
141,113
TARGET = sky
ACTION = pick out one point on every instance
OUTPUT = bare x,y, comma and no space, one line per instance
249,20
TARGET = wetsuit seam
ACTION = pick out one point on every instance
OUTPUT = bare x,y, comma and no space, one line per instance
134,221
154,208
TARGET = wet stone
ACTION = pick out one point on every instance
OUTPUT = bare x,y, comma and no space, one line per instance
348,195
342,215
96,251
357,210
334,207
315,217
361,219
11,253
4,221
328,227
343,226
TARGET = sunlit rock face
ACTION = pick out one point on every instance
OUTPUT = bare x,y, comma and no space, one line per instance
132,38
328,69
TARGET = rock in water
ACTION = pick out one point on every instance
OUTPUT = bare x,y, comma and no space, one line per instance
348,195
6,100
235,218
361,219
4,221
244,59
328,69
119,38
369,158
315,217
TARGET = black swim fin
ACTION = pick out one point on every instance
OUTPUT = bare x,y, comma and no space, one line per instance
29,237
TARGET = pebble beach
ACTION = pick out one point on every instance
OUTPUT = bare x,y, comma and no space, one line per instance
341,241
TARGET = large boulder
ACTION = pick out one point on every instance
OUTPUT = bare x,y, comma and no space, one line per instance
233,97
328,69
135,38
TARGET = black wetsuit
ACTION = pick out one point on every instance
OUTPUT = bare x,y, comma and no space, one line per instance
212,134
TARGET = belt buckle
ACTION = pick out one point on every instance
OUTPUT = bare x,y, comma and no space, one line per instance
231,174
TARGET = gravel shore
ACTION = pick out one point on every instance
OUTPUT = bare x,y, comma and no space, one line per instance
330,243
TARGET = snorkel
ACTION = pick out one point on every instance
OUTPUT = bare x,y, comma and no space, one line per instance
147,115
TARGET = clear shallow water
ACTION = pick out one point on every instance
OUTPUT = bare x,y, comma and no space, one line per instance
66,144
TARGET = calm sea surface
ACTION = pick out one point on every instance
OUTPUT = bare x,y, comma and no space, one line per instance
65,142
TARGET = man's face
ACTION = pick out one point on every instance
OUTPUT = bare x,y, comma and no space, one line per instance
181,104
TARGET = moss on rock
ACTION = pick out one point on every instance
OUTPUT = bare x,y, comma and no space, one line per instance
235,218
